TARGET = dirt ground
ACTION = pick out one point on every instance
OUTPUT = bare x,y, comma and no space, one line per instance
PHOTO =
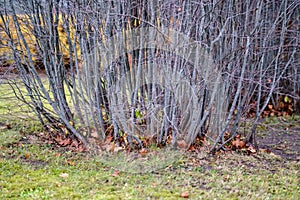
282,138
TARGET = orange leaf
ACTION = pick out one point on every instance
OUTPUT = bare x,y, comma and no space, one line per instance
242,144
70,162
238,143
143,151
27,155
192,148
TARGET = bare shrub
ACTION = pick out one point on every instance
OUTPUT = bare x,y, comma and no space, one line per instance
179,69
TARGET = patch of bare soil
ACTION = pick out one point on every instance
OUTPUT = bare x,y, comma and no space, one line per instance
11,72
8,73
282,138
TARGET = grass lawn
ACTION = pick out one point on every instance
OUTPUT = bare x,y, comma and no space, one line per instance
32,169
29,170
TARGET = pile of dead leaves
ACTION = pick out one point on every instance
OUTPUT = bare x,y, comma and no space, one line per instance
284,107
140,145
239,144
58,139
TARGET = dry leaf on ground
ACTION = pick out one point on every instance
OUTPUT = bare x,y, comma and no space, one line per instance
116,173
185,194
64,175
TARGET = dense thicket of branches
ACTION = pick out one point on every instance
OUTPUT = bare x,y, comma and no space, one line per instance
244,53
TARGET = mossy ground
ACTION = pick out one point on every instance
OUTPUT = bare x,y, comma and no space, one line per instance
32,169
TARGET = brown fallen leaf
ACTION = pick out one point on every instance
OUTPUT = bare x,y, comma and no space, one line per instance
226,178
238,143
58,184
116,173
182,144
192,148
265,150
185,194
143,152
57,154
117,149
81,149
109,139
74,144
70,162
109,147
27,155
64,175
251,149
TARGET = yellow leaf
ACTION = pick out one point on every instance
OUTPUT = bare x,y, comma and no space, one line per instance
286,99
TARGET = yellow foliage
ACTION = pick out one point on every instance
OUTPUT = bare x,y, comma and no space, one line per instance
26,26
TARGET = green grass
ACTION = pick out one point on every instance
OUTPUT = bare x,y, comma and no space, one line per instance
15,112
32,169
